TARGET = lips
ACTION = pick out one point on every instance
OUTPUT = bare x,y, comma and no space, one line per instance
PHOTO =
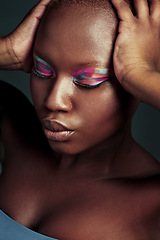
55,131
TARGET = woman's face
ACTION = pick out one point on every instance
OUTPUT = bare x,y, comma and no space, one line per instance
74,117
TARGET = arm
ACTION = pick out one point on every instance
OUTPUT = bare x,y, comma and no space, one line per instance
137,50
16,48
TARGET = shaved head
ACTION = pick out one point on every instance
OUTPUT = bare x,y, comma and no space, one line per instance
106,4
100,15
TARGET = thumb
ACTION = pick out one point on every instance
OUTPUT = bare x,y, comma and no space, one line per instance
31,21
22,38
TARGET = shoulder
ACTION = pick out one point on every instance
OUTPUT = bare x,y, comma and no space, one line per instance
18,119
25,149
13,103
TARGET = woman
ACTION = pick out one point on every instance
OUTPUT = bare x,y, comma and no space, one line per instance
90,180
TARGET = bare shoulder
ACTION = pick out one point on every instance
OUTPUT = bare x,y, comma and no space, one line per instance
25,148
146,188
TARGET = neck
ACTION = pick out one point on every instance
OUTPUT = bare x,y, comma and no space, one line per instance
104,160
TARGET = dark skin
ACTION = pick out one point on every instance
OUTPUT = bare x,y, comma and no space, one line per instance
73,194
16,47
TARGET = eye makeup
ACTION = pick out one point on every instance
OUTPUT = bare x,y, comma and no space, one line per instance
86,77
42,68
91,77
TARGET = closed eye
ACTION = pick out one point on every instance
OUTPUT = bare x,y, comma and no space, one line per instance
91,77
42,69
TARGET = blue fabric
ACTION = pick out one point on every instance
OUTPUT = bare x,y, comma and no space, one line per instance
11,230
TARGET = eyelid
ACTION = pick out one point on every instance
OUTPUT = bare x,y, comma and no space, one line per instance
42,68
91,70
91,77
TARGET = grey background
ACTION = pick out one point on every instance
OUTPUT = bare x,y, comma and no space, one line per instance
146,122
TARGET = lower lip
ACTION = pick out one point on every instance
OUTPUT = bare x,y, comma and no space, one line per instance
61,136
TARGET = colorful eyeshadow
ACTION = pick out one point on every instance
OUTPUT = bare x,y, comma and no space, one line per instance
86,77
91,77
41,68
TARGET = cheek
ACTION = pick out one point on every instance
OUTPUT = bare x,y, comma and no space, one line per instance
103,112
114,113
37,92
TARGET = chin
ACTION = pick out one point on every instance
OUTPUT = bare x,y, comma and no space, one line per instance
64,148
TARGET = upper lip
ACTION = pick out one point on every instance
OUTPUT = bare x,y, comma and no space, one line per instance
54,126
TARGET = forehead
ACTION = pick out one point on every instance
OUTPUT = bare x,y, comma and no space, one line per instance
78,29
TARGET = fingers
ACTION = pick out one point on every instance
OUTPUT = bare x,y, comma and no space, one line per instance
45,2
32,20
40,8
155,9
142,8
145,8
24,35
123,10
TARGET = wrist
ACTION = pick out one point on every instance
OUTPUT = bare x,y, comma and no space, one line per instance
8,59
145,86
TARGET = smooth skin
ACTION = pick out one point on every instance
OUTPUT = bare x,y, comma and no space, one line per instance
105,190
59,100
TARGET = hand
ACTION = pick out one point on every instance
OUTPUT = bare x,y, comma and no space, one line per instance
17,46
137,47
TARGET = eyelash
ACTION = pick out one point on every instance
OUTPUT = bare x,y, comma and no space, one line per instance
91,77
76,79
77,84
42,69
85,86
41,75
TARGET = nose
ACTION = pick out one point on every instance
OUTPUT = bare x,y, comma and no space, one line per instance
59,96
